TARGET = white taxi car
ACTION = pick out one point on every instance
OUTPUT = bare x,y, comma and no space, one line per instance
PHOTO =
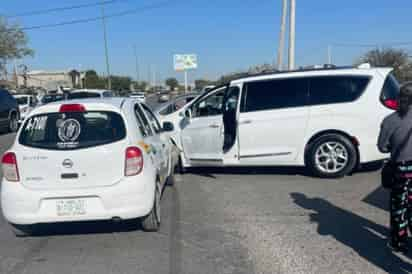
94,159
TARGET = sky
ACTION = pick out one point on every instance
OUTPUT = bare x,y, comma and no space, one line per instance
227,35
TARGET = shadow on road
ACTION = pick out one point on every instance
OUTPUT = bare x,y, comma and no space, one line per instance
378,198
368,239
274,170
79,228
209,171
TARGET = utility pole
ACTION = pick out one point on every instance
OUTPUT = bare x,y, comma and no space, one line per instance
109,81
282,34
154,77
330,54
149,75
292,24
137,63
186,85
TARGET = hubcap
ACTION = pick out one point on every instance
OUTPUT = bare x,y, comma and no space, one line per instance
331,157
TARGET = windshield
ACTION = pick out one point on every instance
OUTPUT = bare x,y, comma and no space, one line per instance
22,100
83,95
68,131
51,98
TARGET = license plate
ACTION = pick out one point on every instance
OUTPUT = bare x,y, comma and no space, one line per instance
72,207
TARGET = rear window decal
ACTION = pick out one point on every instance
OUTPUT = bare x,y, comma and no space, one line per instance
69,130
36,123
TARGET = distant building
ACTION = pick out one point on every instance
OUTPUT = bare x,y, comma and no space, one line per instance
51,80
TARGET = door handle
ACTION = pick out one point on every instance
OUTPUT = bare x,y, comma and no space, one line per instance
245,122
214,126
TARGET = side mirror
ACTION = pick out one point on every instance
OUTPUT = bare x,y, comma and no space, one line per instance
168,127
188,113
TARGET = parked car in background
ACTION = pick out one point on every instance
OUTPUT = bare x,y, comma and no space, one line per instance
164,97
89,93
139,96
26,104
9,112
49,98
325,119
107,160
167,111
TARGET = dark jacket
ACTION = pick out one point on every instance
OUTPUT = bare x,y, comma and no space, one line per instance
394,131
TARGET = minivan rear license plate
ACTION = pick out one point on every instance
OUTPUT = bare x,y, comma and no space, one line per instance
71,207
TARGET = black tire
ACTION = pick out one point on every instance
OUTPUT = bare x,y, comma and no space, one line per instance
171,179
180,169
22,230
345,149
13,123
151,222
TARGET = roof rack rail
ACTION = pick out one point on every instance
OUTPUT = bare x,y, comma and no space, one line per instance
301,69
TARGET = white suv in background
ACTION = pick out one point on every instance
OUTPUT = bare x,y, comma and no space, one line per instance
86,160
326,119
89,93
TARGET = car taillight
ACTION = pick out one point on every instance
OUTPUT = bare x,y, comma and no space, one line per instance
10,169
391,103
72,108
134,161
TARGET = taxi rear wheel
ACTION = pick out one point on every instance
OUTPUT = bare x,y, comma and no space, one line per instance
151,222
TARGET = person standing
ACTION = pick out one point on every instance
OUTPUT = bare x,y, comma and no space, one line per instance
395,138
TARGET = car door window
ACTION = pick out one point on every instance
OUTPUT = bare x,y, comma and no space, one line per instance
210,106
152,119
143,123
167,110
179,104
275,94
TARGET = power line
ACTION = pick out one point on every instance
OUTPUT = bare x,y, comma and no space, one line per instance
386,44
52,10
92,19
354,45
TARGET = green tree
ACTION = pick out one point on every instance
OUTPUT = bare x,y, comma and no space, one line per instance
140,85
121,82
92,80
398,59
13,43
172,83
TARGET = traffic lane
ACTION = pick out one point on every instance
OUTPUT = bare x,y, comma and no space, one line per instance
191,240
6,140
291,223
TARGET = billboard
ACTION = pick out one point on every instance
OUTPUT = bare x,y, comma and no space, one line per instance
185,62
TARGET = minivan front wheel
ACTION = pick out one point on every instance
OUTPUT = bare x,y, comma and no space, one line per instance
331,156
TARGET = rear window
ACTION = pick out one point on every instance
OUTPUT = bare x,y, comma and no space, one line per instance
51,98
22,100
337,89
83,95
75,130
391,88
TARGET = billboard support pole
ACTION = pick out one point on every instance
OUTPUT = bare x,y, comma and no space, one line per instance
185,81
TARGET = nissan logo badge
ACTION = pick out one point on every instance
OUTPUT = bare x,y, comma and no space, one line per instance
68,163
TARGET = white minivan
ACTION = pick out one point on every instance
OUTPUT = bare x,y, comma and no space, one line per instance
325,119
95,159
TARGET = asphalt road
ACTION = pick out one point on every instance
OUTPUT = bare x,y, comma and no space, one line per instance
227,221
